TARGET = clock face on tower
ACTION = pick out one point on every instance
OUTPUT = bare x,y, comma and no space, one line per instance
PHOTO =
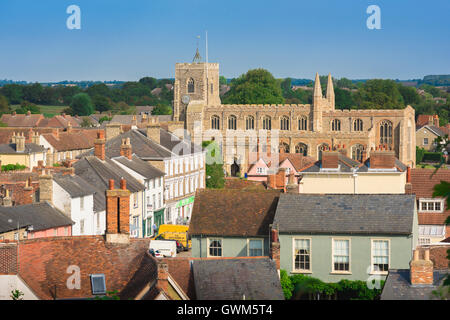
185,99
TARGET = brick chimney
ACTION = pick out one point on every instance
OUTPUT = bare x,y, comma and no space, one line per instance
292,186
177,128
408,185
113,130
99,145
7,201
421,271
35,138
436,120
118,213
27,192
163,276
330,159
46,187
275,248
20,142
69,127
153,130
382,159
125,148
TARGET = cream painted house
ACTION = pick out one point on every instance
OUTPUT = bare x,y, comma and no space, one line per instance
382,173
19,152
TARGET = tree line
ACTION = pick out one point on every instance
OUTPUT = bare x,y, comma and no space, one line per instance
258,86
98,97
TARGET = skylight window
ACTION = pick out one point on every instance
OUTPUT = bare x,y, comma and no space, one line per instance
98,284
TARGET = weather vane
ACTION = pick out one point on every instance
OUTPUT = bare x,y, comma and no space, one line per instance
197,57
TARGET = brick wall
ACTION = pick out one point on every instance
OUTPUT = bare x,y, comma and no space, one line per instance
8,258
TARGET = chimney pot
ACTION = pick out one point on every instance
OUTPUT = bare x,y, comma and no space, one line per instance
111,184
123,184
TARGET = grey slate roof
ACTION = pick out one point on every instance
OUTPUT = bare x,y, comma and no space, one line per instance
141,146
74,185
398,286
97,173
231,279
40,215
128,118
10,148
171,142
346,164
140,166
345,213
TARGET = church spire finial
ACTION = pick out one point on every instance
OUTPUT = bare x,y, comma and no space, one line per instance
197,57
330,91
317,87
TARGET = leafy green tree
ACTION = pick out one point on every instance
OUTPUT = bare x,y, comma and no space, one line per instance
101,103
67,94
343,99
409,94
255,87
82,105
13,92
26,106
222,80
214,171
4,105
379,94
103,119
98,89
150,82
286,284
162,110
345,83
32,92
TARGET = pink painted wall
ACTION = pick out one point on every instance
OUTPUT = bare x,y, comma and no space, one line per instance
60,232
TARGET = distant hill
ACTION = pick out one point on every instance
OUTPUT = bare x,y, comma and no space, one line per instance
436,80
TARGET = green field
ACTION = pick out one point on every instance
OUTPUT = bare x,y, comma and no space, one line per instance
48,111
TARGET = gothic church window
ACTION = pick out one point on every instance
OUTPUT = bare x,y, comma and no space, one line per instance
284,147
267,123
336,125
358,125
250,123
303,123
190,85
386,132
357,152
302,149
215,123
232,123
284,123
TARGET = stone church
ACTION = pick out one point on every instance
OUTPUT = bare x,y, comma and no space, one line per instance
307,129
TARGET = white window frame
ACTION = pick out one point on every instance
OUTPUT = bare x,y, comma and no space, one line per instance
255,239
425,139
293,255
333,271
372,271
208,242
422,200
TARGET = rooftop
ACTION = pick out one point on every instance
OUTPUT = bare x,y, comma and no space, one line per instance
345,213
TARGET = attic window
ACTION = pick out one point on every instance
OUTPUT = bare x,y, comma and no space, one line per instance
98,284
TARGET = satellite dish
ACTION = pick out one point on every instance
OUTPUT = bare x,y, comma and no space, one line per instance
186,99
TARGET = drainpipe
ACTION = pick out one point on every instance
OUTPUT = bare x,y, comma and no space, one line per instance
355,175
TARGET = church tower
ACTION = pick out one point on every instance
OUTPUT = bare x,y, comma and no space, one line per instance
321,103
196,81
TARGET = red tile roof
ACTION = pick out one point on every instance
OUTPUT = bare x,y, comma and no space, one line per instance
74,140
423,182
22,120
44,264
180,271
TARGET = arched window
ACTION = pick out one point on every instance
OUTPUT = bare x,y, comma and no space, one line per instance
267,123
320,148
303,123
190,85
285,147
232,123
358,125
336,125
284,123
302,149
250,123
386,132
215,123
357,152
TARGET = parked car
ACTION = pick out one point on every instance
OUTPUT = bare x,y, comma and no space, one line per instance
156,253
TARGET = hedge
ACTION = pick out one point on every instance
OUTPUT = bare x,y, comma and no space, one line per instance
13,167
431,157
301,287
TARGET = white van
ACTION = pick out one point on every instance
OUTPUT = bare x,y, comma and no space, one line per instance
167,247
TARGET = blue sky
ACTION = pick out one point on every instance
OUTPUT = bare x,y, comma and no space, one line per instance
126,40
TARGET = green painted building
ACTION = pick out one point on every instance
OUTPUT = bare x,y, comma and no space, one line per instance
232,223
352,236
